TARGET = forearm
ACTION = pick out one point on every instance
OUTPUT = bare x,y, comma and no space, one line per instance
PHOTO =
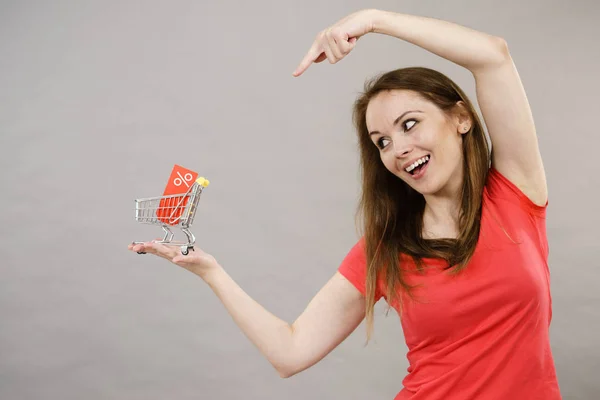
466,47
271,335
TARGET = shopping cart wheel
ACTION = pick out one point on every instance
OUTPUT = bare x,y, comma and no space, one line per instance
186,249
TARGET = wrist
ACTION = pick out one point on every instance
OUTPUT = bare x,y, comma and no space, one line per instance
211,275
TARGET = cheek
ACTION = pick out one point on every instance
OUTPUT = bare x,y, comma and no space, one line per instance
449,154
389,161
446,145
454,147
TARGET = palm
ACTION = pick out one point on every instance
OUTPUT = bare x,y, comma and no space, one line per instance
196,261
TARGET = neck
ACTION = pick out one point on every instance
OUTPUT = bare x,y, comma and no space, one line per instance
442,209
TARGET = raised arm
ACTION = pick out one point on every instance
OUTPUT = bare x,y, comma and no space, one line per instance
500,93
464,46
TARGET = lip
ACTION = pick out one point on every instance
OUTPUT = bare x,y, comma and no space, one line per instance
421,172
404,166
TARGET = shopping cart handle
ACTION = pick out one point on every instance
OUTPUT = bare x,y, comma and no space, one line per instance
203,181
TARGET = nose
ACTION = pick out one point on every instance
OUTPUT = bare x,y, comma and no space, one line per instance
401,147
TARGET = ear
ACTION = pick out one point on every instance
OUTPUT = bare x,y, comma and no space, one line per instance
462,118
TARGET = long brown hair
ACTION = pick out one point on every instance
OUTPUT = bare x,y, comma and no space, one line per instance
392,211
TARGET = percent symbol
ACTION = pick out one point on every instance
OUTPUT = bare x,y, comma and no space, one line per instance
183,179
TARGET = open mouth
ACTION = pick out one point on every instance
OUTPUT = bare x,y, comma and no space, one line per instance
415,168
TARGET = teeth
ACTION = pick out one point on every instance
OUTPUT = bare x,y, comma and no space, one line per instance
416,163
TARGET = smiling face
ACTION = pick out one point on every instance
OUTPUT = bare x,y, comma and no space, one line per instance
405,128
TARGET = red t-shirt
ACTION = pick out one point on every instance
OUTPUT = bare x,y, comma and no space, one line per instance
482,334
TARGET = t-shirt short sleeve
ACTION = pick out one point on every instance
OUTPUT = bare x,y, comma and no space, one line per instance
354,268
498,186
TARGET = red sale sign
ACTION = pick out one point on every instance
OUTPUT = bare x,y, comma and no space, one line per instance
180,182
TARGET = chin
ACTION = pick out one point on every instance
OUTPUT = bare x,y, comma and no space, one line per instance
425,188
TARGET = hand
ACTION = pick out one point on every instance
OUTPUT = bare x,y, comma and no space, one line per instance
335,42
197,261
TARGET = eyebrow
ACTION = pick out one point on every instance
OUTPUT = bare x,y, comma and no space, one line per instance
396,121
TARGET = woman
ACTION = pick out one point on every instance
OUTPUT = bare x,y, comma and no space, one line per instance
454,237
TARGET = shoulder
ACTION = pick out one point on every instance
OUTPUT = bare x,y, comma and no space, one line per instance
354,268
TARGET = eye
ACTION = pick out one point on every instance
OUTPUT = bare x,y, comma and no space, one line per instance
380,143
407,121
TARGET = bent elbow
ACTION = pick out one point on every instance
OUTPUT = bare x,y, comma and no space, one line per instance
497,54
502,51
289,370
285,373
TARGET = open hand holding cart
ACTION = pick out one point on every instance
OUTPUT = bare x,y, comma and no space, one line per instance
174,210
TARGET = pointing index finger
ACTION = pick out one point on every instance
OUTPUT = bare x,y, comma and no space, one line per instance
306,61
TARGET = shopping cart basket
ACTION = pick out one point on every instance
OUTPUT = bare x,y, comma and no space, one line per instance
175,210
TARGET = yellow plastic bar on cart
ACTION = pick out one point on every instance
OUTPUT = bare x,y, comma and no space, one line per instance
202,181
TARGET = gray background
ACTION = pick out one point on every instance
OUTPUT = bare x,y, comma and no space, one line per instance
99,99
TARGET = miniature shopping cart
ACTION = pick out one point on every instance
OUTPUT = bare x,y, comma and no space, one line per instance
174,210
